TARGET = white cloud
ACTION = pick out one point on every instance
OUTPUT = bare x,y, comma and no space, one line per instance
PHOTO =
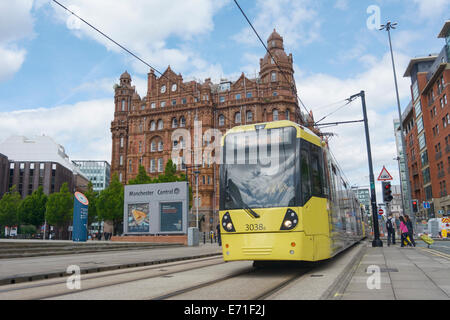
297,21
144,27
82,128
341,4
432,9
11,59
349,146
16,23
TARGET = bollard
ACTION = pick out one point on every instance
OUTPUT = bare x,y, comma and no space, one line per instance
204,237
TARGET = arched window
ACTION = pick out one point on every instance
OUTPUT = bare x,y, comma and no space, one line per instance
221,120
160,145
153,146
237,117
273,76
182,122
174,123
152,125
288,114
249,116
123,104
275,115
160,124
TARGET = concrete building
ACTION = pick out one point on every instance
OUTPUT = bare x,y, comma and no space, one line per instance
4,166
427,129
402,165
40,161
98,172
363,195
142,128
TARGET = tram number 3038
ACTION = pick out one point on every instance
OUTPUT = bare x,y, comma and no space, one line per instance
255,227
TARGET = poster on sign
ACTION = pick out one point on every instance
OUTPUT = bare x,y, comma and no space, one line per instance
171,216
138,217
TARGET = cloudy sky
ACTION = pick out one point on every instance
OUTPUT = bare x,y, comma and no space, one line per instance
57,74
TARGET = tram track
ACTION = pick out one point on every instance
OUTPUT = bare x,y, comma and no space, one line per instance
281,277
129,274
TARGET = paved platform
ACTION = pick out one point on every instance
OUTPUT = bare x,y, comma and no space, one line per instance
43,267
402,274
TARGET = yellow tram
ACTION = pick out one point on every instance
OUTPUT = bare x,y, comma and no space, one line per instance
283,197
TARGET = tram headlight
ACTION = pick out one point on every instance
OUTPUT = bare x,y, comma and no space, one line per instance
290,220
287,224
227,224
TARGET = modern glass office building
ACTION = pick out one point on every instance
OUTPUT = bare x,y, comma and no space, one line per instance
98,172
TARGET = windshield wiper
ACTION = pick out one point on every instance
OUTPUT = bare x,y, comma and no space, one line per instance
233,189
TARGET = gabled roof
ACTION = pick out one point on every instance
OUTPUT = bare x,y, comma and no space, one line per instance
241,79
413,61
445,29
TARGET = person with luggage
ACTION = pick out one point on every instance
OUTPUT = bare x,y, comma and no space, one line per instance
404,232
390,222
409,225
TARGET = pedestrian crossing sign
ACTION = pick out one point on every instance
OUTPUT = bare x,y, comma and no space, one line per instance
384,175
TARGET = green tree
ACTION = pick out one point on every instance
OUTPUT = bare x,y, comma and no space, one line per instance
32,208
9,208
110,202
170,175
60,209
141,178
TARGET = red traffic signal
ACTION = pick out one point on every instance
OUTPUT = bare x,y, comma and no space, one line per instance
387,192
414,206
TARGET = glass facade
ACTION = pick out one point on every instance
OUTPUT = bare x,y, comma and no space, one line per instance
98,172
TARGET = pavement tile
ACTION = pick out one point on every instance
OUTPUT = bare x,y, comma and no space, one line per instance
407,284
368,296
417,294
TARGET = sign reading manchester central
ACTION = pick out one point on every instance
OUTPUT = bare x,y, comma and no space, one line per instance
157,208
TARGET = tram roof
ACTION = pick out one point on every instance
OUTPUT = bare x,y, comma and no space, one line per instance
302,132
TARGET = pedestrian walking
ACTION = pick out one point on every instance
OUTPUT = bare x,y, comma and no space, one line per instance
390,223
404,231
410,230
218,235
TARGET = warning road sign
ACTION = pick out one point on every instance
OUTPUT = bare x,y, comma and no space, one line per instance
384,175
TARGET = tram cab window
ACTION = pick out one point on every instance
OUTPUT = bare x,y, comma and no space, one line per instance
316,172
311,171
305,175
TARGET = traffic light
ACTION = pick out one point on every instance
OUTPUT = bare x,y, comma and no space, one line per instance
387,192
414,206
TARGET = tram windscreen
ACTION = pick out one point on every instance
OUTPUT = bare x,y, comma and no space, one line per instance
258,169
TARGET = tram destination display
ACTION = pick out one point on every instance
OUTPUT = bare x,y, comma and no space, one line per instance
157,208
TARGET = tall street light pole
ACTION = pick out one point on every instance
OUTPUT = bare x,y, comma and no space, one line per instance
388,26
376,232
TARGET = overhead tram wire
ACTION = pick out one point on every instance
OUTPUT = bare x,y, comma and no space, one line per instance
336,110
119,45
294,90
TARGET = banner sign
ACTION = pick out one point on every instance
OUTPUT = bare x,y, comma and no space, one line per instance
80,217
156,208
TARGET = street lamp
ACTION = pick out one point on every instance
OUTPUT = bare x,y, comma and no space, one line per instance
196,202
388,26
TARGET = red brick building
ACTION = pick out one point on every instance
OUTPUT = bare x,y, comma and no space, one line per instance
427,132
142,127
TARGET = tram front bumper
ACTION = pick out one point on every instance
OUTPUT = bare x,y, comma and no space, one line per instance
268,246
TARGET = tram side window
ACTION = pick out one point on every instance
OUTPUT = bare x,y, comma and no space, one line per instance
305,177
316,172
